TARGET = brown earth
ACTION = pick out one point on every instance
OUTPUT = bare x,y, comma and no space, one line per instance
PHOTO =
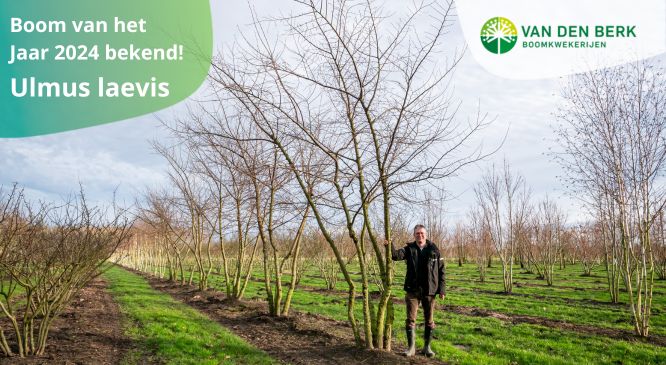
561,325
518,284
576,301
300,338
89,331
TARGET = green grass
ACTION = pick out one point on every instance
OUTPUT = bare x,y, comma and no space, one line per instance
476,340
464,339
573,298
173,331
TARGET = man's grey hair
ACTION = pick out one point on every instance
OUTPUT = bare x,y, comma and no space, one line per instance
419,226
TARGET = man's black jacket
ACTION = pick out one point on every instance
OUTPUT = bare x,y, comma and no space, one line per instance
435,283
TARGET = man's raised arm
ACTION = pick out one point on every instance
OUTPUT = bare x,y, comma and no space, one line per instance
396,254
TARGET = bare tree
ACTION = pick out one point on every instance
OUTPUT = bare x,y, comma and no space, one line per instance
588,242
504,199
612,131
157,211
363,92
660,247
460,242
325,261
222,162
47,254
479,238
548,231
196,219
261,187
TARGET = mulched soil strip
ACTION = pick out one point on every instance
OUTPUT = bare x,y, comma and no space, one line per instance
592,302
561,325
618,334
89,331
519,284
298,339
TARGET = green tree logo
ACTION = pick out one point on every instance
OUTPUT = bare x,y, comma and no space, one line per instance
499,35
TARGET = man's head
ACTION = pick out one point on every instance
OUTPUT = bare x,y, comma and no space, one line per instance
420,234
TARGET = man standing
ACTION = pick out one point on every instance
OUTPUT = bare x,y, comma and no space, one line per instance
425,278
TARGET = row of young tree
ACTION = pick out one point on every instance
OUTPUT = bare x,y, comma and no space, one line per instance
318,125
538,238
327,118
612,133
48,252
325,127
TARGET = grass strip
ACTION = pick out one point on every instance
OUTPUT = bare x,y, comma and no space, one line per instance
173,331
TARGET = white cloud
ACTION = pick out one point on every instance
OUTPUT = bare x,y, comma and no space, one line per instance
102,159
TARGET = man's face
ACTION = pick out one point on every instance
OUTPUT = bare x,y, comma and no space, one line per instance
420,235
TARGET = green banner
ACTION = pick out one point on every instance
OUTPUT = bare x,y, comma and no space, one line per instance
69,64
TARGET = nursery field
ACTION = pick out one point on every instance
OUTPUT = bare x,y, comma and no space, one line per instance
323,135
130,317
571,322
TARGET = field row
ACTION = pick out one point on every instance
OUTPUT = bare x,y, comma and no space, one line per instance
591,329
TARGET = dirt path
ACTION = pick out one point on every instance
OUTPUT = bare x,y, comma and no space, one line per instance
298,339
89,331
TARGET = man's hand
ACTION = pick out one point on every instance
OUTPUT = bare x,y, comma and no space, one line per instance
442,296
386,242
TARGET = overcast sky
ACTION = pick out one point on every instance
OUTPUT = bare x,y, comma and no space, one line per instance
119,156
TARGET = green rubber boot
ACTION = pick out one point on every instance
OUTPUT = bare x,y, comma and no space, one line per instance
427,337
411,351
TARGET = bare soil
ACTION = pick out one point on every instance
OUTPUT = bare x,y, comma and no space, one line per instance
576,301
89,331
300,338
552,323
556,285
